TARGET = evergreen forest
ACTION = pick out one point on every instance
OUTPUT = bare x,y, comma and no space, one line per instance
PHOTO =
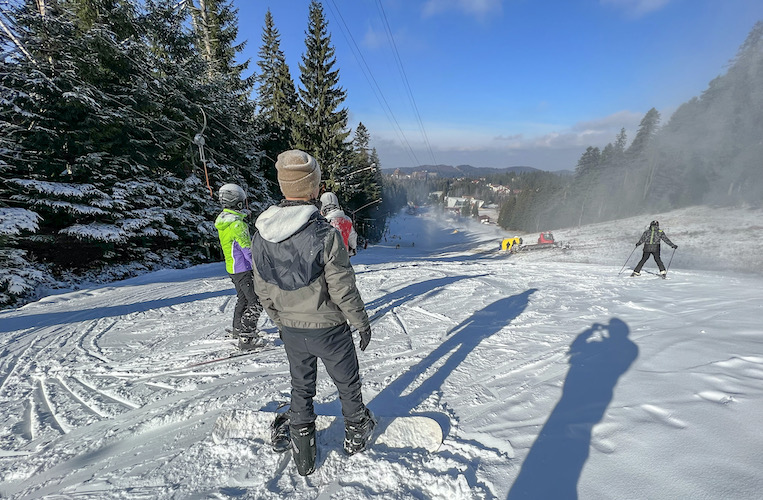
120,120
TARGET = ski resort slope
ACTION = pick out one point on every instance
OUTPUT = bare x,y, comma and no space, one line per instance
552,375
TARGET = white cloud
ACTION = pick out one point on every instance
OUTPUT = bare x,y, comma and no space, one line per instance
637,8
544,145
477,8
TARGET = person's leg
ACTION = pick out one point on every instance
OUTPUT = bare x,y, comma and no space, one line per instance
238,310
641,263
248,308
303,367
337,352
658,260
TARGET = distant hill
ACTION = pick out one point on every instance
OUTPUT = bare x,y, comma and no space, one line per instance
461,170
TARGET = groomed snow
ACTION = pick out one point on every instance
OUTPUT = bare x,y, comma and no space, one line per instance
552,375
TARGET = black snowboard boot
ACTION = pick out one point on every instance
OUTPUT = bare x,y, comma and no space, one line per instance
250,341
279,433
303,448
358,432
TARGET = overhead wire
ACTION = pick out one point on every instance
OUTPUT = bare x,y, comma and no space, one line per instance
378,93
401,69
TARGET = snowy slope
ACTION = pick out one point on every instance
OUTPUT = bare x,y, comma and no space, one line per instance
550,373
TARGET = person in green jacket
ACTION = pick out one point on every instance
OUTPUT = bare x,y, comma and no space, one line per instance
236,244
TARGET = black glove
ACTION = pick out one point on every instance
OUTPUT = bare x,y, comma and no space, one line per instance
636,244
675,246
365,338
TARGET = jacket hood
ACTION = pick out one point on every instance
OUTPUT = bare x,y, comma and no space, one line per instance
334,213
279,223
228,217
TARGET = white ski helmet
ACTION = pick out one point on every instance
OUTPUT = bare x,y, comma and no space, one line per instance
232,196
329,202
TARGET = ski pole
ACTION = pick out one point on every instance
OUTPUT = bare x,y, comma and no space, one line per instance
671,260
626,260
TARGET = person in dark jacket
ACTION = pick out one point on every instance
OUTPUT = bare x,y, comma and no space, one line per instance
651,241
303,276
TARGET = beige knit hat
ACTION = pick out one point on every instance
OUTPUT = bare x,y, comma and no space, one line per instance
298,174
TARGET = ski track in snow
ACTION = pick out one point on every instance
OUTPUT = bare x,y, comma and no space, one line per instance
102,395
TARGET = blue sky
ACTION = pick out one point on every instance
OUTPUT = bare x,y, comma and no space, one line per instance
498,83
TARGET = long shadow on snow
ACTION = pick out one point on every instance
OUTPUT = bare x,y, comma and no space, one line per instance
59,318
552,467
424,289
461,341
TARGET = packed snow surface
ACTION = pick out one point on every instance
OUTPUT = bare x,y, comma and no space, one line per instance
552,373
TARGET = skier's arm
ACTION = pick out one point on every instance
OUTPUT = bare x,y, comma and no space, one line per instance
352,241
242,236
267,303
642,239
665,238
340,281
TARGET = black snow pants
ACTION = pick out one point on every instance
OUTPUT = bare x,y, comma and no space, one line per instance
248,307
335,348
645,257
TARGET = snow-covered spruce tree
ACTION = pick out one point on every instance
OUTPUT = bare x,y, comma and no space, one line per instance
100,104
71,129
276,99
233,142
321,127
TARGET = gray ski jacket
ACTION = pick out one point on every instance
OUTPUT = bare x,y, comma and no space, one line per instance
302,271
651,239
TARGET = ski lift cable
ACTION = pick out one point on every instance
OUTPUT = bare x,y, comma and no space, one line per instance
368,74
375,86
401,69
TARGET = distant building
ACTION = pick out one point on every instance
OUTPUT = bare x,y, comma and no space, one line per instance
457,203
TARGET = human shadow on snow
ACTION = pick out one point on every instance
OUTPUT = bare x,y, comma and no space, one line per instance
424,289
65,317
598,358
459,342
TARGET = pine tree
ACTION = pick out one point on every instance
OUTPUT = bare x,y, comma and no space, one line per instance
276,98
505,214
640,153
74,128
99,102
321,129
235,152
361,185
215,23
647,130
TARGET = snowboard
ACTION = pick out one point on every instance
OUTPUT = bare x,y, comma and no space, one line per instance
407,432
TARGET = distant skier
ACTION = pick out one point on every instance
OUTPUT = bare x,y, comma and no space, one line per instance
331,211
236,245
651,240
303,275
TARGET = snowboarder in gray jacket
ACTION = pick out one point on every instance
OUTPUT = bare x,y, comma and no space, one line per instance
651,241
304,279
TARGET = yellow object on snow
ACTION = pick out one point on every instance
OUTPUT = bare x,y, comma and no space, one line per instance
508,243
